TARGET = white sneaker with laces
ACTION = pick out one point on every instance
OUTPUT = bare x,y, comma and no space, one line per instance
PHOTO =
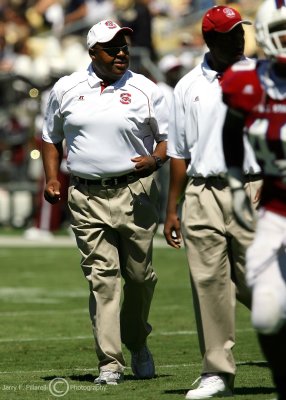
142,363
107,377
211,385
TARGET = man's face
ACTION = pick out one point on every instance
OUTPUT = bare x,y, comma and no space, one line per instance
110,60
228,48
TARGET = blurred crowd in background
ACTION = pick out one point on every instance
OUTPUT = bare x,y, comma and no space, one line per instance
42,40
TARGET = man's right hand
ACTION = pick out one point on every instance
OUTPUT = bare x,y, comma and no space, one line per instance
242,209
241,205
172,230
52,191
281,165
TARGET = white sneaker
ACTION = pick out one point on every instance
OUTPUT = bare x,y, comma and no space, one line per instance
39,235
109,378
210,386
142,363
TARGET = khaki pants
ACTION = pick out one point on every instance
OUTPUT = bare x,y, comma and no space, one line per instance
216,247
114,229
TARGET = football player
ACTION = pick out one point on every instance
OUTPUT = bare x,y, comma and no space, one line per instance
255,93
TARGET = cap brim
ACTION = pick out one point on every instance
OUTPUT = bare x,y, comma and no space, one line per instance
244,21
124,29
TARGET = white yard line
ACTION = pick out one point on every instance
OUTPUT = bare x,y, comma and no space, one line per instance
14,314
46,371
167,366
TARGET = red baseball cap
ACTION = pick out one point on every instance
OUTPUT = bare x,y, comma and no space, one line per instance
222,19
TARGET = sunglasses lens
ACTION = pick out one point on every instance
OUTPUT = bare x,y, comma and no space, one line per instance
125,49
113,51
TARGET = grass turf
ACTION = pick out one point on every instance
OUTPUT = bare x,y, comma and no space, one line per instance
46,334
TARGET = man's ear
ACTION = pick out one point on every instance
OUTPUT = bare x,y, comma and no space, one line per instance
91,53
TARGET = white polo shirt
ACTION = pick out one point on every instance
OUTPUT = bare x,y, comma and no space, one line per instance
104,130
195,125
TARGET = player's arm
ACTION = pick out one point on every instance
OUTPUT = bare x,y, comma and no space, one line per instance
52,155
177,184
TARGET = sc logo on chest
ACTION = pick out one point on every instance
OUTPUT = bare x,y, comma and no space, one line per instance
125,98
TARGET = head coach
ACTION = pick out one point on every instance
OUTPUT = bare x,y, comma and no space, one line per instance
114,123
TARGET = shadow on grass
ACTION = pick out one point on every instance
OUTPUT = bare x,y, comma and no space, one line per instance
242,391
261,364
90,377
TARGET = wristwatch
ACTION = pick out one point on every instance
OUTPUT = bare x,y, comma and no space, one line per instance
158,161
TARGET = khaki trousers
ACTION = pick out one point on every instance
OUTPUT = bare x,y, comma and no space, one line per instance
216,247
114,230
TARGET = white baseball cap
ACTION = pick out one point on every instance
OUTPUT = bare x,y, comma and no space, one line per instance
104,31
169,62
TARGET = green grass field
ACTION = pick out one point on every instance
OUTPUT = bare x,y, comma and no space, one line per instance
46,334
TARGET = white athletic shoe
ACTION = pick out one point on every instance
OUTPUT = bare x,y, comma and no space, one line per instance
109,378
142,363
211,385
39,235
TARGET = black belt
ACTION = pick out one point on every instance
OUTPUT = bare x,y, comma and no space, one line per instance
223,178
253,177
108,182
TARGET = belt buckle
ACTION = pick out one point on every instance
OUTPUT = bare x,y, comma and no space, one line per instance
130,178
104,182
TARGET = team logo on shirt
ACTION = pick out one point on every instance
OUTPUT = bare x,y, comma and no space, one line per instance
125,98
81,98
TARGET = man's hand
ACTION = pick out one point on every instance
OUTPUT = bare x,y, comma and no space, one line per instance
281,165
144,165
52,191
242,209
172,230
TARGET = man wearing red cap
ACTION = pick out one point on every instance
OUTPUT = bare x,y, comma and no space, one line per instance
114,122
255,93
215,243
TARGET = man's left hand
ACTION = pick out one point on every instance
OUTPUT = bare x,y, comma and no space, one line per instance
144,165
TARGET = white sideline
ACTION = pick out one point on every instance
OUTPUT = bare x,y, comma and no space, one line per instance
57,241
84,337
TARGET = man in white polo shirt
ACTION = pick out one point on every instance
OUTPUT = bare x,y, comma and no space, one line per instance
214,242
114,123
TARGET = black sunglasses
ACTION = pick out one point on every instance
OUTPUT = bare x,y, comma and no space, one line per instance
113,51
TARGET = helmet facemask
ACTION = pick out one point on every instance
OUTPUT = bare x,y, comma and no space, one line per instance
271,30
